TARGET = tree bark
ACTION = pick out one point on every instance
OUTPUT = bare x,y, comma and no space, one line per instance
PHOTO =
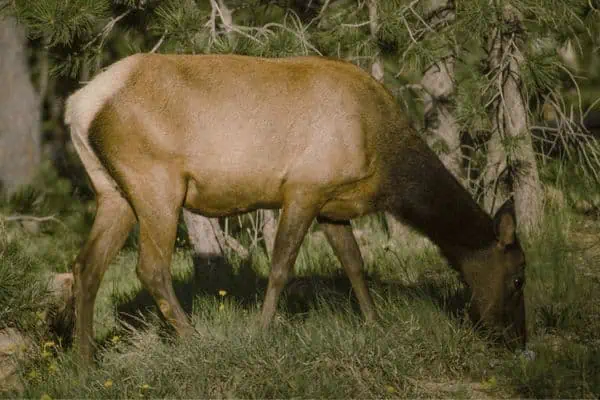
20,134
496,183
202,236
207,237
511,124
377,63
526,181
269,230
438,83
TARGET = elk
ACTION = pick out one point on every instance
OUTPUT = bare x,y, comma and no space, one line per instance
318,138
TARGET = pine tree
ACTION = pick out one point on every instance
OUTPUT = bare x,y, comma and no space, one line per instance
512,164
499,69
471,74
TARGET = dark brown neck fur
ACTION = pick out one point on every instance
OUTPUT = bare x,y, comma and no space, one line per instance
426,195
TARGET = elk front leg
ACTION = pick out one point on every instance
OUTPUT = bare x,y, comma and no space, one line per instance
346,249
294,221
157,239
157,199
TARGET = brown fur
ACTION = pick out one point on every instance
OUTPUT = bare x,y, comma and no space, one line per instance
221,135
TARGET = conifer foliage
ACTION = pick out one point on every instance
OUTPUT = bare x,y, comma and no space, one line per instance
474,75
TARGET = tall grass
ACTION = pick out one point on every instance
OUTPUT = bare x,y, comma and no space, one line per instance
23,292
319,346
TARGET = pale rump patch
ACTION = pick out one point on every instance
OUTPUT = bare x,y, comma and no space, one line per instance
83,106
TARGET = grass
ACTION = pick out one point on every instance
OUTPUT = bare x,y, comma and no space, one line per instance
22,291
319,345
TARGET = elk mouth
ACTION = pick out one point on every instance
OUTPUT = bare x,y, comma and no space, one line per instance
515,336
516,340
502,330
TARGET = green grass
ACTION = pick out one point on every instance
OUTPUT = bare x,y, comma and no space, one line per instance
319,345
23,290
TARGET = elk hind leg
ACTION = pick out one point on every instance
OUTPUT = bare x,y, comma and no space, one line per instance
112,223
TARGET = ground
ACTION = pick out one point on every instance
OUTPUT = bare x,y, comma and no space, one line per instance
424,346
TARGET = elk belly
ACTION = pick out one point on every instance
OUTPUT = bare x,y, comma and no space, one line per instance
227,198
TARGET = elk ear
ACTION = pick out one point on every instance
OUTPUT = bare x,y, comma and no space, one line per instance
505,224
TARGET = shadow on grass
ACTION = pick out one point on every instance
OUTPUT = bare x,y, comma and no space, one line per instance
301,294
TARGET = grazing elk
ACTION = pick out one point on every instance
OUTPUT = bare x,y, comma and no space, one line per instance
318,138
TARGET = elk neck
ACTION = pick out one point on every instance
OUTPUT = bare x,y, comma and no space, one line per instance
425,195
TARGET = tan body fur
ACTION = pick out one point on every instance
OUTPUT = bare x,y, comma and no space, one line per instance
220,135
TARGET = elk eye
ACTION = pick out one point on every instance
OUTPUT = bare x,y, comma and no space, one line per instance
518,282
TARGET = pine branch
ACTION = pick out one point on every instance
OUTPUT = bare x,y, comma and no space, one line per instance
103,34
159,43
227,241
18,218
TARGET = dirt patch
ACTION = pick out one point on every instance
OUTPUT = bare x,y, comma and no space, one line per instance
584,237
13,346
458,389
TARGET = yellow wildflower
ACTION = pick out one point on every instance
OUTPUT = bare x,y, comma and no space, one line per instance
145,386
115,339
108,384
49,344
222,293
52,367
390,389
491,383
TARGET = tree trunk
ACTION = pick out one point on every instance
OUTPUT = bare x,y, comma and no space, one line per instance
377,63
497,188
438,83
20,135
269,230
511,125
220,10
528,194
202,236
